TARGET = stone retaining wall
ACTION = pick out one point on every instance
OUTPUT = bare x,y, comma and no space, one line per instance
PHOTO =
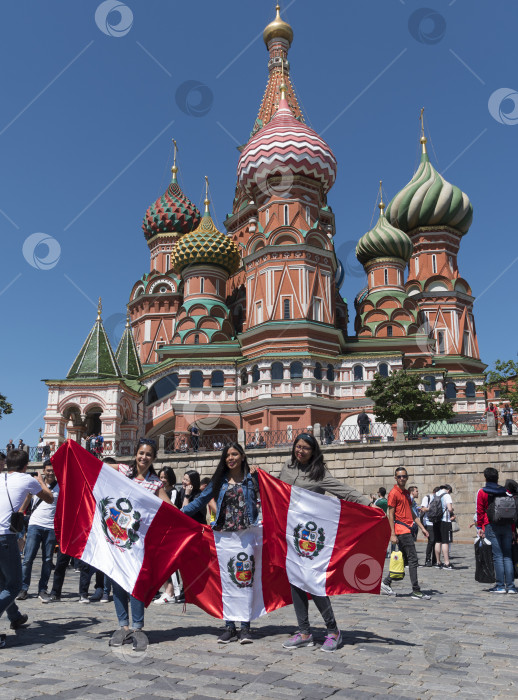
456,461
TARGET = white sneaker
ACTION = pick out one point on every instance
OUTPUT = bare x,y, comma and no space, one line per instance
164,598
387,590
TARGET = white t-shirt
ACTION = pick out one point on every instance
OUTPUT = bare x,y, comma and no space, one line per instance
43,516
446,499
425,503
18,485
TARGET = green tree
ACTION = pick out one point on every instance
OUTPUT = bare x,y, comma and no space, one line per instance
5,406
504,378
399,396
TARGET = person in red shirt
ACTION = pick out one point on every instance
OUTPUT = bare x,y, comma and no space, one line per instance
403,523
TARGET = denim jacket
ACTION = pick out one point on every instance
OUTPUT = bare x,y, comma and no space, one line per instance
249,489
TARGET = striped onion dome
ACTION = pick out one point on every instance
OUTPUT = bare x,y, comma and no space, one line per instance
428,200
206,245
285,146
384,241
173,212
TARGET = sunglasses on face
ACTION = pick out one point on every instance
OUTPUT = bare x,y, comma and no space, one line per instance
147,441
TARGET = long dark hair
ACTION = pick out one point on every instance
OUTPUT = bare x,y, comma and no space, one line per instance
316,467
222,469
149,443
169,475
194,478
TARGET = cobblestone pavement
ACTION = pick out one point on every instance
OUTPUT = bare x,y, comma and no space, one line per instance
463,643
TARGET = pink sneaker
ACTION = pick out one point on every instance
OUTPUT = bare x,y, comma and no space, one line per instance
299,641
331,642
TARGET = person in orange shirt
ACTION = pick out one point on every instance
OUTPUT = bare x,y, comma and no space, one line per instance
403,524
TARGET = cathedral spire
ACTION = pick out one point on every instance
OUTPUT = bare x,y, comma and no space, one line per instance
127,355
423,137
95,359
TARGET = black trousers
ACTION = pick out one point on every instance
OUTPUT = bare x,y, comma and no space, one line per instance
407,546
85,574
301,605
430,548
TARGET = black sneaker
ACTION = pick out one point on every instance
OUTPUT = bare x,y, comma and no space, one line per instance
428,563
19,622
44,597
245,637
22,595
54,598
229,635
447,567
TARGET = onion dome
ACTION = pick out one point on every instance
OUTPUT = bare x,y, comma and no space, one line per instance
173,212
278,29
384,241
206,245
285,145
429,200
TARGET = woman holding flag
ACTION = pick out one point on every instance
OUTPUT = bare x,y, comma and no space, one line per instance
306,469
235,490
143,473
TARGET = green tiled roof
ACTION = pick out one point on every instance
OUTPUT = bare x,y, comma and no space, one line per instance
96,358
127,356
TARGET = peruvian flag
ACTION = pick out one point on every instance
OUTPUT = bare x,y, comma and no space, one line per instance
116,525
325,545
236,581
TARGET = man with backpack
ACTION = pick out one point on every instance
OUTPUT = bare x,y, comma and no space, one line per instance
430,558
496,519
440,514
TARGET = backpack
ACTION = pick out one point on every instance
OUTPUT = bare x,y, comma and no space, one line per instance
435,509
501,509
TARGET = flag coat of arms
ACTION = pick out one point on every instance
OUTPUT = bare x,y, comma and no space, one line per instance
326,546
235,582
112,523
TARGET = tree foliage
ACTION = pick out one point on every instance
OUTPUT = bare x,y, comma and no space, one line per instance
504,378
399,396
5,406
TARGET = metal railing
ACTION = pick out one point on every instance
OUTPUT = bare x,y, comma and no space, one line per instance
208,442
373,432
460,427
270,438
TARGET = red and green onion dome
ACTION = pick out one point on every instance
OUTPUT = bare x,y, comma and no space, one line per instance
429,200
285,147
206,245
173,212
384,241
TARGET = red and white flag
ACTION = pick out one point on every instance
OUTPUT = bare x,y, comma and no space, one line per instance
122,529
327,546
236,582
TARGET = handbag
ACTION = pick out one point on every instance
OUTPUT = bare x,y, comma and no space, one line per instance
484,567
397,565
455,527
17,522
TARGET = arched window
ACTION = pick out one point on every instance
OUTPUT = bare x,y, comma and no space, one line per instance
244,377
434,264
317,372
217,379
470,390
286,209
286,309
441,347
389,331
330,373
267,215
202,285
196,379
256,375
165,386
277,371
383,369
308,215
196,339
416,266
167,262
296,370
358,373
385,276
429,383
451,391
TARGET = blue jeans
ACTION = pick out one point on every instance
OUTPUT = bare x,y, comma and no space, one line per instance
37,536
10,575
501,539
121,599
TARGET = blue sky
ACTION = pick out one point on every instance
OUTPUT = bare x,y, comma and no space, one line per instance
89,109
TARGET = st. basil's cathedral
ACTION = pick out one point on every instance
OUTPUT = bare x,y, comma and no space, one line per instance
245,330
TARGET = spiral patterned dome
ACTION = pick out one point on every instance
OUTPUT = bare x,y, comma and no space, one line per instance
384,241
173,212
429,200
206,245
285,147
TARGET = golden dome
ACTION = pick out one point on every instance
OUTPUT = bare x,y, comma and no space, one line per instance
278,29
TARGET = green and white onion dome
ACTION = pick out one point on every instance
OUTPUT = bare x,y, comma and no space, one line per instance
429,200
384,241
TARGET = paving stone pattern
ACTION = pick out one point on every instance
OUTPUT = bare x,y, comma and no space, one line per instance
462,644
